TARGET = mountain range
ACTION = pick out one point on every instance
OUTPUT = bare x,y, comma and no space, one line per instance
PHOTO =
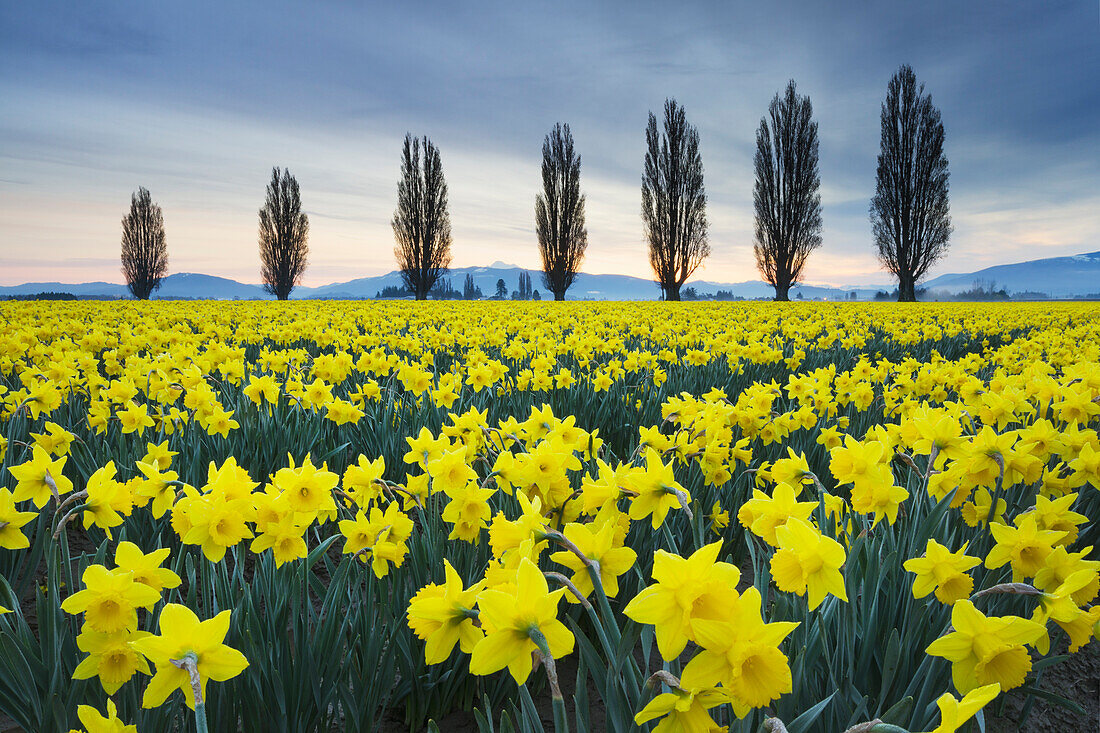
1056,277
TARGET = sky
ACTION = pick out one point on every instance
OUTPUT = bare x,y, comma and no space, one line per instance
197,101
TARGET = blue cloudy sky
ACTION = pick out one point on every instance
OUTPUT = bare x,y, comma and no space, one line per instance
197,101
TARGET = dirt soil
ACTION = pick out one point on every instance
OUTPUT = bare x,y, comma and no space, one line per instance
1076,678
463,722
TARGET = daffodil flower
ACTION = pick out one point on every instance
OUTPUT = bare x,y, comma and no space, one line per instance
181,633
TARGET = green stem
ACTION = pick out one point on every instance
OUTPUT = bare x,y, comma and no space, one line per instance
189,663
561,722
200,718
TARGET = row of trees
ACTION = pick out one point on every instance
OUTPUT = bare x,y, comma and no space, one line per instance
910,218
444,290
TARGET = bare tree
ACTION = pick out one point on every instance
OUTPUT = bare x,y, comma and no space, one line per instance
284,235
421,224
910,215
674,202
559,212
144,249
785,196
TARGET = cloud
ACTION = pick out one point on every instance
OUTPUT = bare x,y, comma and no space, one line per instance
197,102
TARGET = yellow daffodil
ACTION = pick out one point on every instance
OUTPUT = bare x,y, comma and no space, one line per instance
598,545
425,447
683,711
468,511
763,514
449,471
685,590
362,480
444,615
110,657
11,523
808,562
953,712
981,511
262,389
507,534
379,535
657,491
181,633
214,522
511,620
94,722
107,501
942,571
793,470
284,537
40,478
308,489
1059,606
1058,515
109,600
158,487
146,569
1025,546
986,649
742,653
55,439
719,519
134,418
1060,564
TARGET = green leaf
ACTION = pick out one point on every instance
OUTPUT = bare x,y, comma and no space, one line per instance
899,712
1048,662
802,723
1054,698
890,665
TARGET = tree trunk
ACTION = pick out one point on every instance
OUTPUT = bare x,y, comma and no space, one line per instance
559,296
907,290
782,293
672,293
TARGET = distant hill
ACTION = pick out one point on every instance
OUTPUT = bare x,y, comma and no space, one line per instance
189,285
96,288
178,285
194,285
592,287
1058,277
586,287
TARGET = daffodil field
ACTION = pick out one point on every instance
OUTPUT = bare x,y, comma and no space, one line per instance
315,516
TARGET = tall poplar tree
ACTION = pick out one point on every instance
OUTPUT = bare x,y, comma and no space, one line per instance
284,235
559,212
674,201
785,197
422,223
910,213
144,248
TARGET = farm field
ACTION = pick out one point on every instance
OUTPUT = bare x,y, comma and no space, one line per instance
315,516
